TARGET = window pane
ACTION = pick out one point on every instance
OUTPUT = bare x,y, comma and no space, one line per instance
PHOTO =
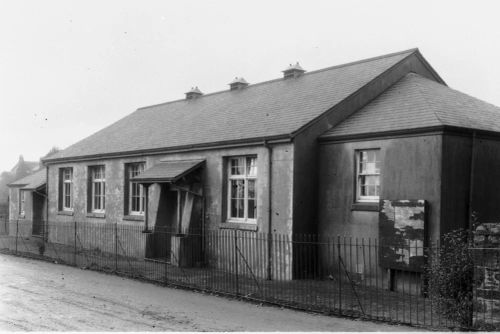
237,189
370,168
362,156
237,166
362,167
103,196
251,189
370,156
237,209
369,185
252,209
371,179
362,190
251,166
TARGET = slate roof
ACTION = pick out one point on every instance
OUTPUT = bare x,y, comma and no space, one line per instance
416,102
31,165
168,171
32,181
270,109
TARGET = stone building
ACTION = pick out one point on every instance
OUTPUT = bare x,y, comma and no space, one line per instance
308,153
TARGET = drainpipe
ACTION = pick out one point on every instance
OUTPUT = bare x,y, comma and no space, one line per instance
46,225
270,210
146,209
471,179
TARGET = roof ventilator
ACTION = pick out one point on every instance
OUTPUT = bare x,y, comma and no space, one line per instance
293,71
238,83
193,93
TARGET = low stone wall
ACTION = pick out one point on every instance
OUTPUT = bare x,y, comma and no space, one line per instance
487,274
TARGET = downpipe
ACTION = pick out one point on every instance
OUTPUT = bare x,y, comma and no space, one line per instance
270,211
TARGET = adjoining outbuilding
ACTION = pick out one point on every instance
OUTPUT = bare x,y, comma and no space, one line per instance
28,204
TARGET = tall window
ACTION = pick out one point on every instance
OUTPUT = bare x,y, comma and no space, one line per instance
22,199
368,175
242,191
135,190
66,188
98,188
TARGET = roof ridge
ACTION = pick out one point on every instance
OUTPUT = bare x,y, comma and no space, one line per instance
365,60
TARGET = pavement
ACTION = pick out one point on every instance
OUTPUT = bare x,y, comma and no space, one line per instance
43,296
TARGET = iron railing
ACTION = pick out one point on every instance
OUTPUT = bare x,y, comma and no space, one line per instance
331,275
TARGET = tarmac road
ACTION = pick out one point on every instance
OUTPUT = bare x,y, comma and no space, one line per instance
42,296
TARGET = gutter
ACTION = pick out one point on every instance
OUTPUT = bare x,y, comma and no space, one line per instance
46,227
429,130
286,138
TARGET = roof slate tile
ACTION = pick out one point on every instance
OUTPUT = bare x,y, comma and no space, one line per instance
417,102
268,109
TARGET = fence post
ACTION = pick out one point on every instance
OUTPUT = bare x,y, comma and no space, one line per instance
339,273
74,253
116,246
17,232
236,260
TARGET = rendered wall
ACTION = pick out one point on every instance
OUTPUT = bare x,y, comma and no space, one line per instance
20,225
306,177
410,169
214,191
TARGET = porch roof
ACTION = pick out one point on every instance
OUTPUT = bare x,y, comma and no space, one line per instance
32,181
167,171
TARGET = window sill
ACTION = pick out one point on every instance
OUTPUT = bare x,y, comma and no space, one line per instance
134,217
239,226
365,206
66,213
96,215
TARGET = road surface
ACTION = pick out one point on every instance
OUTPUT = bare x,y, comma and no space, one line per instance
42,296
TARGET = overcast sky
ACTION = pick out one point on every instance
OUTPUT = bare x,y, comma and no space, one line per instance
70,68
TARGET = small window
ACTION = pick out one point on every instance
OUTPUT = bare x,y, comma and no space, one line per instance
368,175
22,200
66,189
98,189
242,189
135,191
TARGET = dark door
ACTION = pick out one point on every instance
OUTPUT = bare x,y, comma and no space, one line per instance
38,214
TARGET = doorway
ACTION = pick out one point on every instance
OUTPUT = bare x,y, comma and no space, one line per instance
38,213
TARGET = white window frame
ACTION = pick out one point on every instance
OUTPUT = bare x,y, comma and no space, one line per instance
22,203
245,177
98,176
360,174
67,180
134,169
